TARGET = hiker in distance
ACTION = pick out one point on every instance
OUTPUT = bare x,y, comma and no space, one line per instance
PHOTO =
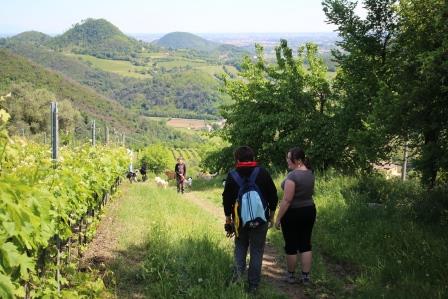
297,214
181,171
249,200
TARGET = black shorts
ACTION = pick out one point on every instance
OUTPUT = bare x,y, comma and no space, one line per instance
297,226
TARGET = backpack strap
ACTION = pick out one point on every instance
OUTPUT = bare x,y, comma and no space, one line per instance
254,174
237,178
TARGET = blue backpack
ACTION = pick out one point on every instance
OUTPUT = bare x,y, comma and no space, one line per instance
250,206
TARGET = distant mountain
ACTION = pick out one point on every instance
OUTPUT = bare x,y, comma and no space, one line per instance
198,46
185,40
96,37
181,93
30,37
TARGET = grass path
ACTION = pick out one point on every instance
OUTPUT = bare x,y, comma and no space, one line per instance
154,243
273,265
121,246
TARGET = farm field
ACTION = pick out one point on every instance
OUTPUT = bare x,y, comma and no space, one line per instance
153,62
120,67
194,124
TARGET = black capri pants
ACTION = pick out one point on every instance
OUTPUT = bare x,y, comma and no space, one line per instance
297,226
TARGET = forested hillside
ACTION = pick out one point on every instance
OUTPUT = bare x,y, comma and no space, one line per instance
200,47
185,40
31,37
177,83
96,37
31,84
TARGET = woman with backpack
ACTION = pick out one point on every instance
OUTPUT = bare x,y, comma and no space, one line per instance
297,214
249,200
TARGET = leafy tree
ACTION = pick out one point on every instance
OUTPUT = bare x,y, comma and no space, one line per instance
362,57
30,110
392,81
281,105
156,157
419,87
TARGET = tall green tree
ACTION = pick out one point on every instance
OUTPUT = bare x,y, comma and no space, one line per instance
29,108
156,157
419,84
392,81
362,55
277,106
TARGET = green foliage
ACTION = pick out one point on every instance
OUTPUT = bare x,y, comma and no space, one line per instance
218,159
96,37
201,48
185,40
29,110
175,91
362,59
40,200
281,105
405,198
389,84
34,38
156,157
385,249
43,85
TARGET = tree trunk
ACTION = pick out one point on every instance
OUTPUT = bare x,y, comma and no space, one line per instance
430,153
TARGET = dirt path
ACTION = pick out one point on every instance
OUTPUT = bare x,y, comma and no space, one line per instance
102,250
273,263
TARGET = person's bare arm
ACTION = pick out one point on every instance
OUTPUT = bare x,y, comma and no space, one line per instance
288,195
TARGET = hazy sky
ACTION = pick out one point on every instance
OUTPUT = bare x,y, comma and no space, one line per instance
150,16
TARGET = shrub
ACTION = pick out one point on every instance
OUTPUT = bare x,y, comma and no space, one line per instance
409,198
156,157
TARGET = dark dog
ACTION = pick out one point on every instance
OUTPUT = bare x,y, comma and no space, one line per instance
132,176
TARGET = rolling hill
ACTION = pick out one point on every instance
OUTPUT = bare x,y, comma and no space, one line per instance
185,40
200,47
30,37
15,69
146,79
168,90
96,37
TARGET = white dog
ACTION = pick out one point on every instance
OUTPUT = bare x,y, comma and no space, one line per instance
189,182
161,182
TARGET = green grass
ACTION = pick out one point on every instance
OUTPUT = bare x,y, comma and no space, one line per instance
389,254
364,252
179,62
170,248
120,67
213,70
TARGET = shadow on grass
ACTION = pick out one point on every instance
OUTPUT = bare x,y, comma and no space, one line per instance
184,267
370,242
127,267
190,268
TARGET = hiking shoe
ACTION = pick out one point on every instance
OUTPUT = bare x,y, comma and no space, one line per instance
290,278
236,278
252,289
305,281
